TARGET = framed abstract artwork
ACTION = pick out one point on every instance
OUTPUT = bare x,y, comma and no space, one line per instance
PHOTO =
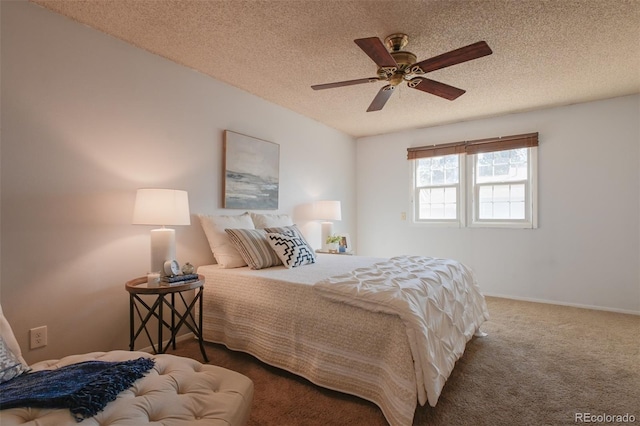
251,172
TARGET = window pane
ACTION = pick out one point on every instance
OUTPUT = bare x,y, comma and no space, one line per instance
437,171
501,201
437,176
450,211
436,196
450,195
486,194
437,203
486,210
423,176
501,193
501,210
502,166
517,210
437,180
437,211
450,169
517,193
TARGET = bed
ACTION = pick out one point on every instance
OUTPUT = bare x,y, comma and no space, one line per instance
294,319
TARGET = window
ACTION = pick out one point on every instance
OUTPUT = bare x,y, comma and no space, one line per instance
503,184
500,188
437,188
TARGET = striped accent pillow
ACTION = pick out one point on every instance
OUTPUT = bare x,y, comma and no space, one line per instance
254,247
292,249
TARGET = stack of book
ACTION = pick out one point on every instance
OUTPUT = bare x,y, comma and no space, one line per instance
178,279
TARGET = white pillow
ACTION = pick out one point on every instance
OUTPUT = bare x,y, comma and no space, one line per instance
223,250
291,248
254,247
262,221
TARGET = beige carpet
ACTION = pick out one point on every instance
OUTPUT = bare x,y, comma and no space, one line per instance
540,365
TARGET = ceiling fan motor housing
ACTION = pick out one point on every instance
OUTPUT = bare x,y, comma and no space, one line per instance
404,61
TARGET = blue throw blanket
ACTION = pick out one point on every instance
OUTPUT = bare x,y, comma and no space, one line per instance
84,388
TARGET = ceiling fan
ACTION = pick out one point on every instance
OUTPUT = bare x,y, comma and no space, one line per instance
396,65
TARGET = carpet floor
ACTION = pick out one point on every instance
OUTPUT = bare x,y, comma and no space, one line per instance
539,365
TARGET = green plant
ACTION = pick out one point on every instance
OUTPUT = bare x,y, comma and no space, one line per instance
332,239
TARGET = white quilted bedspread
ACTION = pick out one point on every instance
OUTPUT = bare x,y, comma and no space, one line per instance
438,300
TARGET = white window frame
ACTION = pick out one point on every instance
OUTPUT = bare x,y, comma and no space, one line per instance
459,221
467,196
531,196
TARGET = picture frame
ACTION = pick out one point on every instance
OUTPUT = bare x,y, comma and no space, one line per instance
251,172
345,244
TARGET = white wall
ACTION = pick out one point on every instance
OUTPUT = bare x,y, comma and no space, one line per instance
88,119
586,249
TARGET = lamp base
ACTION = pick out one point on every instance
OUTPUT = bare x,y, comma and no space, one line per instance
326,230
163,248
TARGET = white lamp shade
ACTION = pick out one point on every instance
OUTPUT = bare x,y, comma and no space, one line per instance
327,210
161,207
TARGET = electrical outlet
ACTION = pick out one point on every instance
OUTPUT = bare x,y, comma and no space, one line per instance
38,337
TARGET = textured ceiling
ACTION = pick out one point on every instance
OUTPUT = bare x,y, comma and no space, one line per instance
545,53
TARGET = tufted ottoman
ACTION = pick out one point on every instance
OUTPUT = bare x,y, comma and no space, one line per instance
177,391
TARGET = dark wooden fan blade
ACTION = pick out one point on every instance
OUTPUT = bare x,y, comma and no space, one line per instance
374,47
458,56
345,83
435,88
381,98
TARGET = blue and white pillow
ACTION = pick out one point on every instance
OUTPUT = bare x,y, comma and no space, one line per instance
291,248
10,365
286,228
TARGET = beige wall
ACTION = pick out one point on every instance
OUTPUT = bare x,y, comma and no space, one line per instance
86,120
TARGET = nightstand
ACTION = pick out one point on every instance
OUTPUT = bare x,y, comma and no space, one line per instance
345,253
164,296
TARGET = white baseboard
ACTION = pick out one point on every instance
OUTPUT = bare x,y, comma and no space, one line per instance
573,305
179,339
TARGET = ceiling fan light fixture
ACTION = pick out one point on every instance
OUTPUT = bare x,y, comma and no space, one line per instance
396,79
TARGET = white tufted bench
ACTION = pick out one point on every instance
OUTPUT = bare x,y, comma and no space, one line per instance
176,392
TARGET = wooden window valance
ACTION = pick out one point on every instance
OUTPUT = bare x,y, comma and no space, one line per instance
474,147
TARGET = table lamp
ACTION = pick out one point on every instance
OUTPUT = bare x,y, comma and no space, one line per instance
326,211
161,207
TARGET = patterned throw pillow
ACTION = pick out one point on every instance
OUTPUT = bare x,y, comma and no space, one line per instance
291,248
10,366
254,247
285,229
